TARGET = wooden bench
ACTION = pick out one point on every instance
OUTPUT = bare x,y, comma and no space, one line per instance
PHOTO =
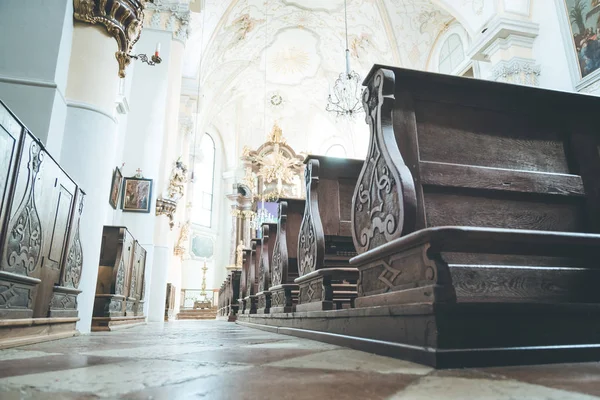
284,292
244,280
233,294
252,278
325,246
481,200
264,270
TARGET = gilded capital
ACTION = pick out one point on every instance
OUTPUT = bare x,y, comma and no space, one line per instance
123,19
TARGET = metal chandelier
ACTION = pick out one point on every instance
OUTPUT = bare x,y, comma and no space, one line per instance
345,100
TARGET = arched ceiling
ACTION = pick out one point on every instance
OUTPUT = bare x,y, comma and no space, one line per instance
248,52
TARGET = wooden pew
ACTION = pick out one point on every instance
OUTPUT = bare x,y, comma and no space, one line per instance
252,278
233,294
264,271
327,281
479,203
284,292
244,280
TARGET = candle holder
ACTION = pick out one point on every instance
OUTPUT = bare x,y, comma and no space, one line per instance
144,58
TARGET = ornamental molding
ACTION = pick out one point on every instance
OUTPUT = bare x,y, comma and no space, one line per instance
171,16
502,33
517,70
123,19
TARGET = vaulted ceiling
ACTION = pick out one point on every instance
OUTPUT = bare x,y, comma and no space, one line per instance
250,54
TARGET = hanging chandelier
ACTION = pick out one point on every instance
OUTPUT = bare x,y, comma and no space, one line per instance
345,100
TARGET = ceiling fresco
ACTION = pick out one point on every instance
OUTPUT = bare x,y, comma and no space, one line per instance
246,53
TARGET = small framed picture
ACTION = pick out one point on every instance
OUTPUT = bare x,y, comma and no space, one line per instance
137,195
115,188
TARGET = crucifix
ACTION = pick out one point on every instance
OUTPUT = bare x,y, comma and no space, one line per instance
139,173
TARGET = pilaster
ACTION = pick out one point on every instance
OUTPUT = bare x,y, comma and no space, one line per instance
507,44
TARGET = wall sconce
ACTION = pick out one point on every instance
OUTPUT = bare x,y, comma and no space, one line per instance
154,59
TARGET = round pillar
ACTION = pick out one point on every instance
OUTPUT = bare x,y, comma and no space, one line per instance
87,153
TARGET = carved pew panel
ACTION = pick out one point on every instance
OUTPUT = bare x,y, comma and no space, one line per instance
244,280
285,256
454,152
252,278
269,231
233,294
325,241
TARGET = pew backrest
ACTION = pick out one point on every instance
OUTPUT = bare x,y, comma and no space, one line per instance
450,151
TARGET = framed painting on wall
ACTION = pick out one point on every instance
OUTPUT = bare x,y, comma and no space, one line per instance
137,195
581,28
115,188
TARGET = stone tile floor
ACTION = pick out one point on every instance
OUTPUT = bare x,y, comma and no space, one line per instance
220,360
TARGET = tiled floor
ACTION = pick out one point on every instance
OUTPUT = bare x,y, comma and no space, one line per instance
220,360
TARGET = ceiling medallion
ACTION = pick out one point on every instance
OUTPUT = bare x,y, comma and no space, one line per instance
276,100
345,100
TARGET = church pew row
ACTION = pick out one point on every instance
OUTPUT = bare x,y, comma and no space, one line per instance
476,219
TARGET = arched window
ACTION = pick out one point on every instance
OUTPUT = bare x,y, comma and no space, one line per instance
337,150
204,172
451,55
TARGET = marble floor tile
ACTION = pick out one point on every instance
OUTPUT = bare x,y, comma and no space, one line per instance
51,363
583,378
266,383
17,354
220,360
108,381
353,360
430,387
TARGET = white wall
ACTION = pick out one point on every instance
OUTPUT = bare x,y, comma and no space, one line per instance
33,70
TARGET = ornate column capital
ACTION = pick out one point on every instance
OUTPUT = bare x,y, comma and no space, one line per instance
123,19
170,15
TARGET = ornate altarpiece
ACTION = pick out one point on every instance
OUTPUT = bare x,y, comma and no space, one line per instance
272,171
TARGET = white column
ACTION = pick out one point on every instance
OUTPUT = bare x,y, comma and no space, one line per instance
35,38
88,145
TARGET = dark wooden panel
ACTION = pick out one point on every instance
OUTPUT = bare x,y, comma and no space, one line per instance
468,176
459,135
61,225
329,205
346,190
525,284
515,212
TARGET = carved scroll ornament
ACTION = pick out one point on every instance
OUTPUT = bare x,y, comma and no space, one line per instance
24,243
75,255
123,19
311,242
384,200
280,253
263,284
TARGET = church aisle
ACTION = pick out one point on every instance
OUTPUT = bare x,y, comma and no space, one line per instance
219,360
